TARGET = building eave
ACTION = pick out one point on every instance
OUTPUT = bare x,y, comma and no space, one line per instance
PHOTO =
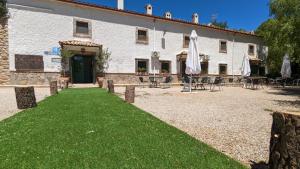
89,5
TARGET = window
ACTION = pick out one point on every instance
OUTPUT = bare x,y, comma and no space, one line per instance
251,50
165,66
29,63
186,41
82,29
142,36
223,46
222,69
141,66
204,68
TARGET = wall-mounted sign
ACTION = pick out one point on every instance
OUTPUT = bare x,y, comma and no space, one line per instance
56,60
53,51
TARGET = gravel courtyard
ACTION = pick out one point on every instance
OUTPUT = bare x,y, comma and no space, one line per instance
8,105
235,121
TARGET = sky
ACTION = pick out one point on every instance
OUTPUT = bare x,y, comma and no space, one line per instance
239,14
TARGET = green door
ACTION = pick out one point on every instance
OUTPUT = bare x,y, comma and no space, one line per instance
82,69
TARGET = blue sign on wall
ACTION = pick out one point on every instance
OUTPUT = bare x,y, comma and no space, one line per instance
55,51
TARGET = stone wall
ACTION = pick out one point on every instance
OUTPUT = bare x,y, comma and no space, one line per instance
285,141
32,78
4,61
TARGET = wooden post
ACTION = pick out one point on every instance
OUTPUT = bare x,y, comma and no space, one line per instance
285,141
53,88
110,85
25,97
130,94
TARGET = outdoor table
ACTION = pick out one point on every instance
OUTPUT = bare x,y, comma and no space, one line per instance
256,81
155,80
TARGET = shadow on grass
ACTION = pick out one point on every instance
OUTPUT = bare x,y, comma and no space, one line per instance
259,165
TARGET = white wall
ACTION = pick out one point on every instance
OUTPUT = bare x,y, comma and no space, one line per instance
35,26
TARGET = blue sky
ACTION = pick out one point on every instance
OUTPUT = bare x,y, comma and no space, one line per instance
246,14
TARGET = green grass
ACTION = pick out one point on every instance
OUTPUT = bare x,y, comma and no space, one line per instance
89,128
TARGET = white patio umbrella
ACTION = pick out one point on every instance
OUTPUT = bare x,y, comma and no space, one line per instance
193,65
286,67
246,69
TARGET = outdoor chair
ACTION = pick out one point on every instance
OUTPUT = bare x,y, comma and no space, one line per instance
142,82
296,82
277,82
186,83
167,82
247,82
217,82
201,83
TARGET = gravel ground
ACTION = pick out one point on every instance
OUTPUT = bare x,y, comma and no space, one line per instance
235,121
8,106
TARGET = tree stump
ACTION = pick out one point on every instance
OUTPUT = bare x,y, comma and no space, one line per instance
53,88
285,141
111,87
130,94
25,97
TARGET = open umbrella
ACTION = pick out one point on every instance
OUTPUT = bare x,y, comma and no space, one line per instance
192,61
246,70
286,67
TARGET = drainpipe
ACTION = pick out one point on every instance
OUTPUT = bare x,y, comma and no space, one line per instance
233,44
154,45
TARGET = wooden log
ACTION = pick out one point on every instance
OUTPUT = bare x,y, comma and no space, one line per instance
285,141
130,94
111,87
53,88
25,97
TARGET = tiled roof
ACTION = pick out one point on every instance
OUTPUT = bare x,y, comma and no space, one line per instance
85,4
79,43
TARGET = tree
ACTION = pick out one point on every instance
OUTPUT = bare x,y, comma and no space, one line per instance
3,8
65,55
219,24
102,61
281,32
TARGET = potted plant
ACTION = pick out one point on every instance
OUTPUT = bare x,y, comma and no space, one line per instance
65,56
102,65
3,10
142,71
164,72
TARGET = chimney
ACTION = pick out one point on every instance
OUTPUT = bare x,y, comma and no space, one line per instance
149,9
168,15
120,4
195,18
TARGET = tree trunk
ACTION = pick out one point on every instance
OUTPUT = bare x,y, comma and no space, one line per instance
285,141
130,94
25,97
53,88
110,85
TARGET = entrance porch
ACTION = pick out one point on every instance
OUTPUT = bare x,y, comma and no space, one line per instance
81,66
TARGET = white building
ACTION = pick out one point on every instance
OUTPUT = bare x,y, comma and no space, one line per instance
38,28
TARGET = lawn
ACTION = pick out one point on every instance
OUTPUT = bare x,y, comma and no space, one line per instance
89,128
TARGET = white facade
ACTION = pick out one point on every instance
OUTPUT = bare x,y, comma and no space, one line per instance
36,26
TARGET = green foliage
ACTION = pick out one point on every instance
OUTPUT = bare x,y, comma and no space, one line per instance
282,32
102,61
89,128
3,9
219,24
65,55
